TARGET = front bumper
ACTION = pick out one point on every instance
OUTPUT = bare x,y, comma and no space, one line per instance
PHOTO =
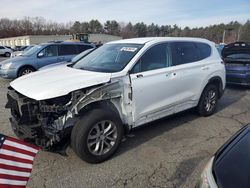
8,74
238,79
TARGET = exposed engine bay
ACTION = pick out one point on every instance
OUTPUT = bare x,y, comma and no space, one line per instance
47,122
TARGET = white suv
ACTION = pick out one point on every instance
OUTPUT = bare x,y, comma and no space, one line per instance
5,51
115,88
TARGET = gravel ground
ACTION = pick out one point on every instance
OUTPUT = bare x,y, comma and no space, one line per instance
168,153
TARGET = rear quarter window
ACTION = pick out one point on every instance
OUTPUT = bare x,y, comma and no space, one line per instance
204,50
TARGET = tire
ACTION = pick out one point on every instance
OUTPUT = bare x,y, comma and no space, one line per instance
85,138
7,54
208,101
25,70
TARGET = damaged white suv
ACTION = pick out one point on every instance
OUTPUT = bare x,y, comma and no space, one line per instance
115,88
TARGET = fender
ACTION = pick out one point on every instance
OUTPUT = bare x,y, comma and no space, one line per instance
217,79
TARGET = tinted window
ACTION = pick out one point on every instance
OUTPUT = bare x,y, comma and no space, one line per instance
184,52
1,47
205,50
157,57
232,168
82,48
67,50
239,56
50,51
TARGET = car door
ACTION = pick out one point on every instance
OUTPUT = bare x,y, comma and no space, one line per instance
190,70
47,56
154,85
2,50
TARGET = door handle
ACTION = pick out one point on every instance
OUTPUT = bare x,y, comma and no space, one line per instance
139,75
204,68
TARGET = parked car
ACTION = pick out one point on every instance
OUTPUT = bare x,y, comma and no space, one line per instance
229,167
119,86
237,59
220,47
5,51
22,50
39,56
72,61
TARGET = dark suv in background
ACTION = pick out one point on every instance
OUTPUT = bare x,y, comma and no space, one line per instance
41,55
237,59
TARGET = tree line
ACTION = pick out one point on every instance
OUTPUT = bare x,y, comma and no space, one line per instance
233,31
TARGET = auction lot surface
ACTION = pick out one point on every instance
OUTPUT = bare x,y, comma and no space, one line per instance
168,153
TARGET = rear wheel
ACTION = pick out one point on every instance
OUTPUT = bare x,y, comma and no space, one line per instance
25,70
208,101
97,135
7,54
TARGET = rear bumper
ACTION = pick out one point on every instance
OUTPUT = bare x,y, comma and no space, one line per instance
238,79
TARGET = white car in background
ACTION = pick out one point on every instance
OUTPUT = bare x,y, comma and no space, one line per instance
118,86
5,51
21,51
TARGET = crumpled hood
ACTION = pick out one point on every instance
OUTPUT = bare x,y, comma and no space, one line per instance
51,83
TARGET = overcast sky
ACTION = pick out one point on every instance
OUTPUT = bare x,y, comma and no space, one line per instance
193,13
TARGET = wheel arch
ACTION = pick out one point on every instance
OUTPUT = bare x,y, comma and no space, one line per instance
109,104
216,80
23,66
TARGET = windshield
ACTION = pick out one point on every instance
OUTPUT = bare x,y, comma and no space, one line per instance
109,57
239,56
32,50
81,55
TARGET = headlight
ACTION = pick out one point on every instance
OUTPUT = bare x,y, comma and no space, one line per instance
6,66
207,179
203,182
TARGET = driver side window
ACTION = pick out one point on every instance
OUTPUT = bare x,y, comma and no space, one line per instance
157,57
50,51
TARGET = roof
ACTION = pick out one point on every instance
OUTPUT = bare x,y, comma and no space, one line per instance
158,39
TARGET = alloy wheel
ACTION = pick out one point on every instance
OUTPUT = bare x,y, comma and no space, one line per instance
102,137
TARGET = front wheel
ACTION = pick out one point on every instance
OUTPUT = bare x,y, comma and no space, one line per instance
97,135
208,101
25,70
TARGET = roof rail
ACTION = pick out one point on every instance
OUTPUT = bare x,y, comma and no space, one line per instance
55,41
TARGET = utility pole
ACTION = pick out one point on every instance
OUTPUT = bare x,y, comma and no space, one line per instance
239,30
224,34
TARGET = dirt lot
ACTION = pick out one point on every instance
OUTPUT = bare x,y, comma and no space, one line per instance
168,153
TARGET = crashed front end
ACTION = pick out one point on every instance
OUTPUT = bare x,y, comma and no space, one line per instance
47,122
38,121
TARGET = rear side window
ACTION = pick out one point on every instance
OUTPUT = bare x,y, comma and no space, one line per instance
204,49
67,50
184,52
82,48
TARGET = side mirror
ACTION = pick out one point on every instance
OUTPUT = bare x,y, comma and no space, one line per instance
41,54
